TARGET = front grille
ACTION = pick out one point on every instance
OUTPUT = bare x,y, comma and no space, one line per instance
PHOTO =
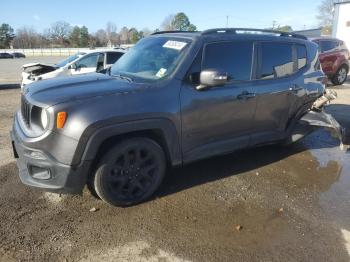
25,110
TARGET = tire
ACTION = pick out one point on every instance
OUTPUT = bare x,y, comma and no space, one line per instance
340,76
130,172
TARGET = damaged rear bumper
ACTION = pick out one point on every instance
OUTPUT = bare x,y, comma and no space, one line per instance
320,119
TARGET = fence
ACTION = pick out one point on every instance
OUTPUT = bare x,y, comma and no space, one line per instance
54,51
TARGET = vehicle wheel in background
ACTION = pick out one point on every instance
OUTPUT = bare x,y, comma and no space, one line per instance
340,76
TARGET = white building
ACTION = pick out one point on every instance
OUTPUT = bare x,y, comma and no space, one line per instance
341,24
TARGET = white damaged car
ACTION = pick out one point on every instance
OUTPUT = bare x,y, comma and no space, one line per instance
79,63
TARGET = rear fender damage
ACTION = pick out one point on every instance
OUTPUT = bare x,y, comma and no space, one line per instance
316,118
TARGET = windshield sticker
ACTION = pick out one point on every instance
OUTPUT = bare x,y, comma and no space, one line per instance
161,73
177,45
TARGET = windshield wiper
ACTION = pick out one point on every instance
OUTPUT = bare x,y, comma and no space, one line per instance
129,79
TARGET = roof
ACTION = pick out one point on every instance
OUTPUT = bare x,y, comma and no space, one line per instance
230,32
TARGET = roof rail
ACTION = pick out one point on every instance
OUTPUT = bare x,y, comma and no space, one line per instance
235,31
173,31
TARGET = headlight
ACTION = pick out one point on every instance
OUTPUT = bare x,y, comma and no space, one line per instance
44,117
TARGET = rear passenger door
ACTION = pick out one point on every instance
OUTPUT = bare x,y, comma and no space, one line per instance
219,119
279,89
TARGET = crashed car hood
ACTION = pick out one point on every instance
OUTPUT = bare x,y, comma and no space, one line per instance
59,90
38,65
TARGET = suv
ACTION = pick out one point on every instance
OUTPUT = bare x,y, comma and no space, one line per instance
79,63
334,57
174,98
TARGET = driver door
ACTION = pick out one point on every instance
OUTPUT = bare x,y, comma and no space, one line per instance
219,119
88,64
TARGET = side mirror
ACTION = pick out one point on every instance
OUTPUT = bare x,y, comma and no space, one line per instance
211,78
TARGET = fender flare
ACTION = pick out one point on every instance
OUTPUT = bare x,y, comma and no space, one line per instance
96,134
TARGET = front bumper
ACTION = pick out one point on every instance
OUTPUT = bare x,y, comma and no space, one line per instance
39,169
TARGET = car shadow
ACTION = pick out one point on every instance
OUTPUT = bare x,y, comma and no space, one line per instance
9,86
216,168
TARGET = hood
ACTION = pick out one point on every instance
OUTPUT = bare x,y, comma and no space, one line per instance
38,68
38,65
62,89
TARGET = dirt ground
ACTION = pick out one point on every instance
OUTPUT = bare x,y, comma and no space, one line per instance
266,204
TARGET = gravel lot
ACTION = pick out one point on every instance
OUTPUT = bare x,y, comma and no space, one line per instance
264,204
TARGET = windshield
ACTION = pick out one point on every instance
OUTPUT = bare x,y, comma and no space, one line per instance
151,59
69,59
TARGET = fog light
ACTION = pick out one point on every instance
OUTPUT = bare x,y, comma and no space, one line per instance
39,172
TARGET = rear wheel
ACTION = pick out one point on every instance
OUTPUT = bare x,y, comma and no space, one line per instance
340,76
130,172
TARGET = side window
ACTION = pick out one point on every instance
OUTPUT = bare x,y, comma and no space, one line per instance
113,57
327,46
276,60
88,61
234,58
301,56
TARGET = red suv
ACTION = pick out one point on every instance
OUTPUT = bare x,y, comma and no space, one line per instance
334,57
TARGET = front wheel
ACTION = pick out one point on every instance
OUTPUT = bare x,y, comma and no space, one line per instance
340,76
130,172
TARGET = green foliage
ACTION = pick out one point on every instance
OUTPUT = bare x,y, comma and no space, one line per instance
6,35
84,36
181,22
327,30
285,28
79,37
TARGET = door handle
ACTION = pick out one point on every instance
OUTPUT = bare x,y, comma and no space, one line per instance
295,88
246,95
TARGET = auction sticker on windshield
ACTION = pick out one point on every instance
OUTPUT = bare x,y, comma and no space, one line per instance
177,45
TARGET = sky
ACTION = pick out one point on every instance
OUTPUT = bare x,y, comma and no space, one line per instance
205,14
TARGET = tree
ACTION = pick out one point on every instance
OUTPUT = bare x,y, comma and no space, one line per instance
285,28
6,35
124,35
84,37
167,23
325,15
27,37
182,23
59,32
134,35
101,38
74,37
111,33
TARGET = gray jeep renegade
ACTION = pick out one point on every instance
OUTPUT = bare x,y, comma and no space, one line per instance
174,98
